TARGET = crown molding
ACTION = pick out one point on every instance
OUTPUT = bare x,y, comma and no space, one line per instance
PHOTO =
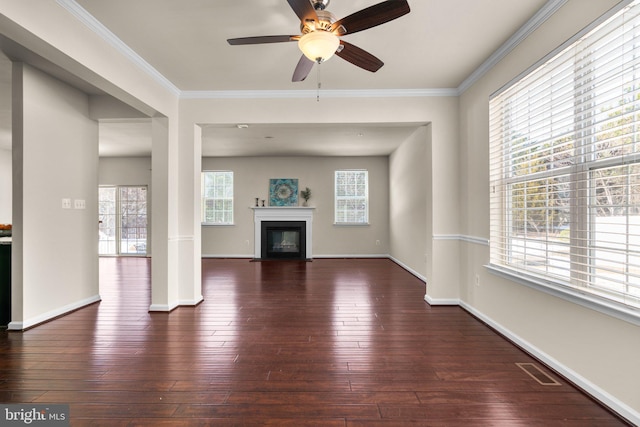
532,24
291,94
97,27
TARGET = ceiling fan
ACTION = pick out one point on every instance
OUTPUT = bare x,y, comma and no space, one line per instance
321,33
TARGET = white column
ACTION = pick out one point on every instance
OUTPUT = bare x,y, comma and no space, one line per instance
164,201
189,241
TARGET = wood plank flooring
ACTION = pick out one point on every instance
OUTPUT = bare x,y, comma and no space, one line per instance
333,342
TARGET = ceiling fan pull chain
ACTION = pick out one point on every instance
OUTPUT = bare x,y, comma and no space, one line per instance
319,83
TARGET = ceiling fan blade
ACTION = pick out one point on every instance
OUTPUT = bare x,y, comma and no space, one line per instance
302,69
262,40
304,9
371,16
359,57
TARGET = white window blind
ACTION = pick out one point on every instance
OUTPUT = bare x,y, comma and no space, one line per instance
351,197
565,166
217,197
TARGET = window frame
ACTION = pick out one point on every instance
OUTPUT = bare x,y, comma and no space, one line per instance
581,206
229,212
338,214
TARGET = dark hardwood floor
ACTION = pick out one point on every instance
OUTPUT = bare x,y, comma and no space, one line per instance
333,342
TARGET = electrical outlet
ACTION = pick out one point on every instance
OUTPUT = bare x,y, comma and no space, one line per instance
377,242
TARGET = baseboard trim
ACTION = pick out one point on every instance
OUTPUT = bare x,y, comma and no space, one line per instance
409,269
247,256
162,308
441,301
354,256
606,399
191,303
53,314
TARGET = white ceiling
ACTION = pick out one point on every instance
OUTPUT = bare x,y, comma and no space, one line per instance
436,46
132,138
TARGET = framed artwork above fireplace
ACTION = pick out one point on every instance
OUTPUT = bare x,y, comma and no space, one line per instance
283,192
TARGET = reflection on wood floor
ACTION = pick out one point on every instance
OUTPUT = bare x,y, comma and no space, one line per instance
333,342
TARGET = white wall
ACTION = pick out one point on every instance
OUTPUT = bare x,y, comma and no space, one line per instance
409,178
251,180
55,263
124,171
5,186
597,351
57,35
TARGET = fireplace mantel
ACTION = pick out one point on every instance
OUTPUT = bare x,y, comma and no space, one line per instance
289,213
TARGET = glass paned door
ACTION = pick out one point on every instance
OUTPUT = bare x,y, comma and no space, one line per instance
123,220
133,224
107,220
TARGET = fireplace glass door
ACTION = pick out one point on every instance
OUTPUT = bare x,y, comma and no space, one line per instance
284,239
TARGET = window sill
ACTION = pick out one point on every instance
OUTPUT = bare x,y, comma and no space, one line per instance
610,308
206,224
351,224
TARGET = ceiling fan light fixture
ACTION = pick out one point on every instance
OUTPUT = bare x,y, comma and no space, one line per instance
319,46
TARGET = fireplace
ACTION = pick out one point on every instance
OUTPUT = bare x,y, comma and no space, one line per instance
290,232
283,240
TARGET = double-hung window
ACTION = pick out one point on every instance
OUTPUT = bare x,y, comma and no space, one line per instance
565,167
217,197
351,197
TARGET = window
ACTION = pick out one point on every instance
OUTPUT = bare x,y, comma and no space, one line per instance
352,197
565,167
217,197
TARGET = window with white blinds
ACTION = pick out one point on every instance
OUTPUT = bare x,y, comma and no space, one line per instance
351,197
217,197
565,167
